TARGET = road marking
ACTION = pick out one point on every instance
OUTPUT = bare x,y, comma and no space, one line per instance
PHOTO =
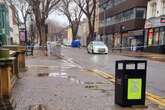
110,77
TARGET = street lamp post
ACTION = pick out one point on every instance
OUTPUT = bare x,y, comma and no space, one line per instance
104,6
121,39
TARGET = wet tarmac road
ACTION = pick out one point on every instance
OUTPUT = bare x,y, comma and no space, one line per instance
106,63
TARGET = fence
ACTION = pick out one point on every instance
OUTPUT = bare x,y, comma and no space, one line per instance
51,49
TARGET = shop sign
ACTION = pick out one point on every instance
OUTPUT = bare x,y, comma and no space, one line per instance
135,33
22,36
148,24
162,20
156,22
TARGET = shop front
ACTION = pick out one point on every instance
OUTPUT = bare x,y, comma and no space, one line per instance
129,40
155,36
136,40
117,40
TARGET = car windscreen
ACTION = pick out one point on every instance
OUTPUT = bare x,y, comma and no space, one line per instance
98,43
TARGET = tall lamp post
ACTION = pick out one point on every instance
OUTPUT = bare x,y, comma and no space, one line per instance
104,6
122,28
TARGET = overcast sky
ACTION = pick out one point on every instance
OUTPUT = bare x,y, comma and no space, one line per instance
59,18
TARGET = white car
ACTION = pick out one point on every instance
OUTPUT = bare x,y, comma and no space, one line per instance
97,47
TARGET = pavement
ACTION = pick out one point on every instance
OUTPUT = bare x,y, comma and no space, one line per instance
150,56
53,83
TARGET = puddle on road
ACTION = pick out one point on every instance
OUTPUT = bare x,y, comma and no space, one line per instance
61,75
62,67
99,86
37,107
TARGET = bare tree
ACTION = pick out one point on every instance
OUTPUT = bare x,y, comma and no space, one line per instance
89,9
41,9
73,14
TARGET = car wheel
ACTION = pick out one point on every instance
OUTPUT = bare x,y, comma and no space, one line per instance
88,51
92,51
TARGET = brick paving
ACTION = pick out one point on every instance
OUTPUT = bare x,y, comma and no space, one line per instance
57,84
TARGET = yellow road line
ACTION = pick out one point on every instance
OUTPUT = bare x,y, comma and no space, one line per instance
109,76
40,66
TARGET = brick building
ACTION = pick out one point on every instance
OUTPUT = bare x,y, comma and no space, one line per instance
123,22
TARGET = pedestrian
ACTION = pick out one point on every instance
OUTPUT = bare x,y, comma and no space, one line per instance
48,48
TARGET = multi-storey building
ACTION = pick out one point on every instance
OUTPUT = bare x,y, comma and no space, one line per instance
14,25
123,22
97,17
8,24
4,22
155,26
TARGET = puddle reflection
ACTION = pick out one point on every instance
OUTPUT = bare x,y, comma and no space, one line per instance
61,75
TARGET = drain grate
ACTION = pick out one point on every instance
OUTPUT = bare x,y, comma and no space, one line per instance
37,107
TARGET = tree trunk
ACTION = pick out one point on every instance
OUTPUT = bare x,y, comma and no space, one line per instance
25,32
73,33
74,30
91,31
43,34
40,36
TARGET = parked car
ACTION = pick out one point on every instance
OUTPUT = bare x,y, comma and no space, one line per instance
97,47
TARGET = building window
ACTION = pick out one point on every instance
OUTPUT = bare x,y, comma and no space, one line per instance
140,13
153,9
163,7
111,3
162,36
127,15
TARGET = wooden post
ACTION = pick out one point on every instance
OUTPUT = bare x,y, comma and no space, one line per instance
6,81
21,61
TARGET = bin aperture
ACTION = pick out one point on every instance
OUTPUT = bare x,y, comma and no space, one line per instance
130,82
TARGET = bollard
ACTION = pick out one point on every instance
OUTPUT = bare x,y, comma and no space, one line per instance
16,66
21,60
